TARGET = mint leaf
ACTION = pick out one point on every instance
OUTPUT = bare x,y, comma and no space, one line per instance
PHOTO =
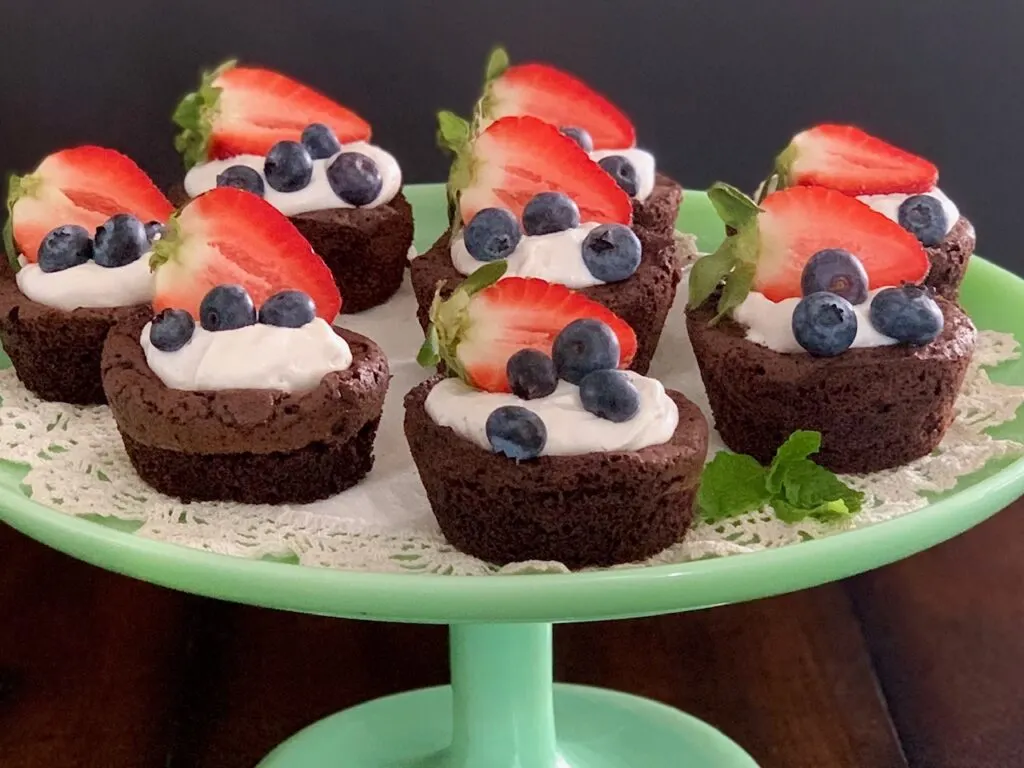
799,445
732,484
708,272
828,512
733,207
452,131
497,63
810,487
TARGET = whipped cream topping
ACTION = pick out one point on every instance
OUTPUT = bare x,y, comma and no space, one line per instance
889,205
571,429
556,257
254,357
87,285
642,160
770,323
315,196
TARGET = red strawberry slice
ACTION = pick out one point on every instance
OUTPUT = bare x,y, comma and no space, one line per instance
521,312
847,159
517,157
559,98
798,222
228,236
85,186
246,110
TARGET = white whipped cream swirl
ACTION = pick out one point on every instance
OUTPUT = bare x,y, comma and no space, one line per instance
889,205
88,285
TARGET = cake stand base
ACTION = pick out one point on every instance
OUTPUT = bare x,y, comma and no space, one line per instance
502,711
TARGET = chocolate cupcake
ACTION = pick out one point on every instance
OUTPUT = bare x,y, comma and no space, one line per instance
542,448
315,165
816,337
73,272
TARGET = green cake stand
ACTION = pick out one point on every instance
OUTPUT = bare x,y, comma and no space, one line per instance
502,709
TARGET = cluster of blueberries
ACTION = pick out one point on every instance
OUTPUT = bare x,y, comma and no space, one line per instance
833,281
227,307
923,217
616,166
611,252
120,240
288,167
585,353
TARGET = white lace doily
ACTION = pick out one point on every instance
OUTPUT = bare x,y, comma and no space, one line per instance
77,465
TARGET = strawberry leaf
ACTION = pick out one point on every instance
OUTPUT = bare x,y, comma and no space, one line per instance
497,63
708,272
194,115
452,132
784,166
737,287
487,275
14,192
430,353
733,207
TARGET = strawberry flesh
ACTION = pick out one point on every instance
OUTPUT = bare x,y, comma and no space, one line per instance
845,158
85,186
523,312
518,157
798,222
558,98
228,236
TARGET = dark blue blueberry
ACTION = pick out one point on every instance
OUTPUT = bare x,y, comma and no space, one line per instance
824,324
64,247
580,136
225,308
288,166
355,178
908,314
584,346
155,230
320,141
171,330
288,309
923,217
492,234
611,252
610,395
836,271
531,374
242,177
120,240
623,171
516,432
550,212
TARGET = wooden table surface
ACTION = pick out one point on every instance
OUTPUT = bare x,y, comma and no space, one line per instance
919,664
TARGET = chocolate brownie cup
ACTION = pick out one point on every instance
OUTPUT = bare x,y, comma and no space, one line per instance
255,446
949,259
593,509
642,300
875,407
660,210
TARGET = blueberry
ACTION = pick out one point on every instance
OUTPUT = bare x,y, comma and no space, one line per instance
610,395
836,271
320,141
531,374
120,240
908,314
225,308
580,136
824,324
288,309
923,217
550,212
623,171
288,166
492,234
583,346
171,330
516,432
355,178
611,252
242,177
155,230
64,247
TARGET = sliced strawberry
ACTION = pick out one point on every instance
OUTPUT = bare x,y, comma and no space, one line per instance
517,157
559,98
85,186
798,222
479,328
246,110
847,159
228,236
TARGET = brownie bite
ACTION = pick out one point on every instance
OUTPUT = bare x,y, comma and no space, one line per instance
660,210
949,259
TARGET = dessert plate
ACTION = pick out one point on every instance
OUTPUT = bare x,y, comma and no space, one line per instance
504,705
